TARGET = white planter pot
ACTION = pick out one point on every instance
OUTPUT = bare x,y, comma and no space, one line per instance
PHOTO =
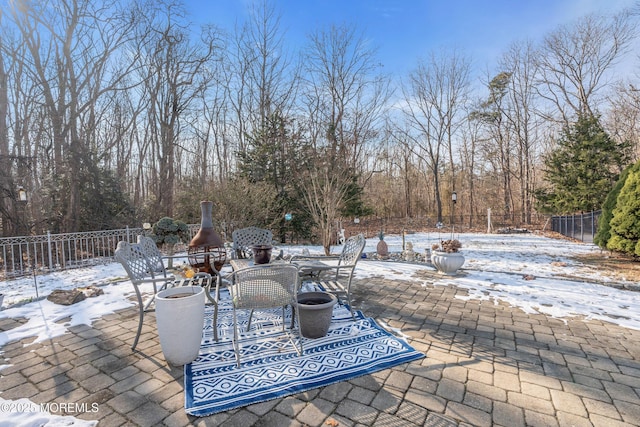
180,320
447,262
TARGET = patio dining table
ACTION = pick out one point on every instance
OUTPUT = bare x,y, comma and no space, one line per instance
306,268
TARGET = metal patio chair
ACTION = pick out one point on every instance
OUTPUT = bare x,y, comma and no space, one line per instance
245,238
146,271
314,269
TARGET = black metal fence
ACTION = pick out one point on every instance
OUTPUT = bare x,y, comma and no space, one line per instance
581,227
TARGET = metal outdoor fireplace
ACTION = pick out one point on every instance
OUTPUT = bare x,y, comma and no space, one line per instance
206,252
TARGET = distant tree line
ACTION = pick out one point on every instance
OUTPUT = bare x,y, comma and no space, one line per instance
123,112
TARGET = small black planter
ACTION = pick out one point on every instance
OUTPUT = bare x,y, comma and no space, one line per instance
316,310
261,253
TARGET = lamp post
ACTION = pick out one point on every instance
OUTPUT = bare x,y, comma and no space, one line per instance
454,199
22,202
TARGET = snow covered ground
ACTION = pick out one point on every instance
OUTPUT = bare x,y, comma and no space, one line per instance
534,273
529,271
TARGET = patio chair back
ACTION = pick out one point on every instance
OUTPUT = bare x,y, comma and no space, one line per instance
265,286
138,268
352,250
245,238
153,254
132,258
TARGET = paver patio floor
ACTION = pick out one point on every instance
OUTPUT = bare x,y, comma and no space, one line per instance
486,364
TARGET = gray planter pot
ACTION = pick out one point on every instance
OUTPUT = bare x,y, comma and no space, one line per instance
447,263
316,310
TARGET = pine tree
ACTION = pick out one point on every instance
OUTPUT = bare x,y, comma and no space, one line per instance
625,224
604,227
584,168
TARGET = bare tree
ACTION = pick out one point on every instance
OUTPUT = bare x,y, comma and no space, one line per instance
325,188
498,147
344,95
469,158
434,97
6,182
213,132
623,119
521,113
175,74
262,75
70,56
574,61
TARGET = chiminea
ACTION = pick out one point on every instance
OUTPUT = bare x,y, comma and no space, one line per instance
206,250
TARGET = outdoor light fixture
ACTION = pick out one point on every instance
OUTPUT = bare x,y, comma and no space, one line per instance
454,197
22,194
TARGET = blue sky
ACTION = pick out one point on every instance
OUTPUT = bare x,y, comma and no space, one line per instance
405,30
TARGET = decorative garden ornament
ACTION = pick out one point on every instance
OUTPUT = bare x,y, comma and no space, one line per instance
409,254
382,249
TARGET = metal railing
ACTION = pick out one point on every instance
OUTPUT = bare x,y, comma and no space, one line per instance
581,227
23,254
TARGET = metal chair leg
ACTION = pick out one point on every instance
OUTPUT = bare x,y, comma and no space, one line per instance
141,309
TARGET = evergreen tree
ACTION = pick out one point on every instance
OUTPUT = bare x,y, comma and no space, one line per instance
625,224
584,168
274,158
354,206
604,227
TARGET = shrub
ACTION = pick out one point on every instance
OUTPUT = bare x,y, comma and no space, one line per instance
604,227
169,231
625,223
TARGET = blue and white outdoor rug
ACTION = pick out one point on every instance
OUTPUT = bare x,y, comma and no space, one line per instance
271,368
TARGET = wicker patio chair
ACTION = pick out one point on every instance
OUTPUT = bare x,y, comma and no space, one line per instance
264,287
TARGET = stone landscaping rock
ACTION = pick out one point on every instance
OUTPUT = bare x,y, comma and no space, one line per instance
68,297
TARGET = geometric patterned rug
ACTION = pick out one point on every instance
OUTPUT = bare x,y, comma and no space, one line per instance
271,368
